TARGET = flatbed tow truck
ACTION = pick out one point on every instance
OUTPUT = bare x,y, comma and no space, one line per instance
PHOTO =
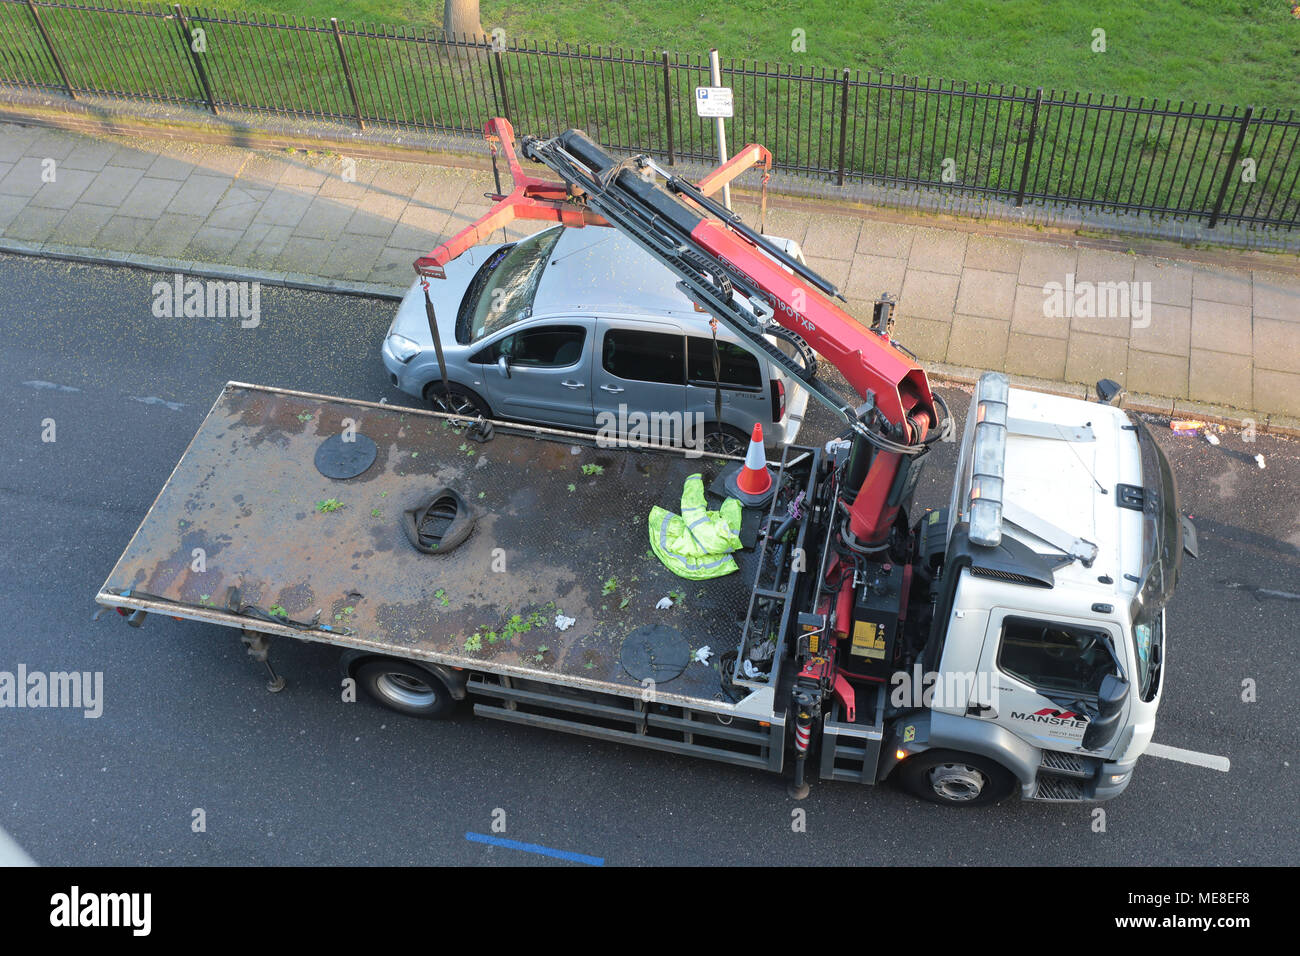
1011,641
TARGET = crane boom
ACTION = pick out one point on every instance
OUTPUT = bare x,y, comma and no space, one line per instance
746,282
719,248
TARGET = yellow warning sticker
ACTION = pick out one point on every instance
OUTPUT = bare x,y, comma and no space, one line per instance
868,640
909,734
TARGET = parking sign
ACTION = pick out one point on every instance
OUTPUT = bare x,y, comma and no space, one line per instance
713,102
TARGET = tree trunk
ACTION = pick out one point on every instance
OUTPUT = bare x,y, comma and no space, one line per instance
460,18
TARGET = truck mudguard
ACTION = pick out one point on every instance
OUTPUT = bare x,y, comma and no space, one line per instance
987,740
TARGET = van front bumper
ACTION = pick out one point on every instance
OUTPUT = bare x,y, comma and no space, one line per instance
399,371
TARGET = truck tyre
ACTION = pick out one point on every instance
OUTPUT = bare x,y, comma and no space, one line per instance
955,779
456,400
406,688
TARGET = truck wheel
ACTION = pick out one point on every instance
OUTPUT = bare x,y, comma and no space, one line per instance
955,779
456,400
406,688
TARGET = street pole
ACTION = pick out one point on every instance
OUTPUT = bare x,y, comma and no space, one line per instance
715,79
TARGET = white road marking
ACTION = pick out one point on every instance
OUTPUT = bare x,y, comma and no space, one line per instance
1256,590
51,385
154,400
1189,756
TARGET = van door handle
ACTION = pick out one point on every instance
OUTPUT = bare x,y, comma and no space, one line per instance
612,389
572,384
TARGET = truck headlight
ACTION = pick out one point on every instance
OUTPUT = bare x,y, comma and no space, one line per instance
403,349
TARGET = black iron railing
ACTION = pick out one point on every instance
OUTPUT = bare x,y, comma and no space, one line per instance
1195,161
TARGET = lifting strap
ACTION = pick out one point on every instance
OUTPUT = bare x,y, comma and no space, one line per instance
496,173
717,373
437,338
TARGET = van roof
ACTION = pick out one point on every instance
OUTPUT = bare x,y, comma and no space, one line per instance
595,269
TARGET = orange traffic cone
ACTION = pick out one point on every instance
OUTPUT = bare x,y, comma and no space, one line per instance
752,483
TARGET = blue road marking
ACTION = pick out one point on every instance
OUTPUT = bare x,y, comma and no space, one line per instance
535,848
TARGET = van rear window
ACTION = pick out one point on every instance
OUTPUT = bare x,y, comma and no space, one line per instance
739,368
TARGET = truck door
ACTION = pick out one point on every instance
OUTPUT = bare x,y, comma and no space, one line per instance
1037,672
640,369
549,374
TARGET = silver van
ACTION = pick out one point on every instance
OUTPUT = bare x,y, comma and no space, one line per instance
579,328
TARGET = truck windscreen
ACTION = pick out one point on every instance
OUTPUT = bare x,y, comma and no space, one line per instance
1162,529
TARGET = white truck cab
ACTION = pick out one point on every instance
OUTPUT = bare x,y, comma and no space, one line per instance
1062,546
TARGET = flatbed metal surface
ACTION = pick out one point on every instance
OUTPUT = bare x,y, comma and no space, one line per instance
549,539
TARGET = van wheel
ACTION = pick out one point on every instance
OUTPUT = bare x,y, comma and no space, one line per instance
955,779
406,688
456,400
725,440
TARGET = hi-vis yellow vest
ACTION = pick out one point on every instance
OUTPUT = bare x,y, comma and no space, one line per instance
696,544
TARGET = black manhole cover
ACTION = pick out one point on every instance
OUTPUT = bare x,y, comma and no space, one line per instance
655,652
336,458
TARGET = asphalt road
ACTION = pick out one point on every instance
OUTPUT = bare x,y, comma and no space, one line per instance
301,777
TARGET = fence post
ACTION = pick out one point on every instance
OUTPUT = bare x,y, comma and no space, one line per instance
844,123
1029,147
187,41
49,45
347,72
1232,166
501,81
668,111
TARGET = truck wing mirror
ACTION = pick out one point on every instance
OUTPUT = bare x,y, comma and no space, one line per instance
1111,696
1109,392
1110,705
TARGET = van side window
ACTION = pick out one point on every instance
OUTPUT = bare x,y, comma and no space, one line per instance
644,356
551,346
1055,657
739,368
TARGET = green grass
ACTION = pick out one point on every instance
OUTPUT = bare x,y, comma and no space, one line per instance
1193,51
1235,53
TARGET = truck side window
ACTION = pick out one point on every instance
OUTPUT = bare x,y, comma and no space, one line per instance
1055,657
552,346
644,356
739,368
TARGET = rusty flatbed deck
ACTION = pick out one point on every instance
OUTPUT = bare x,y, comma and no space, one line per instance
548,540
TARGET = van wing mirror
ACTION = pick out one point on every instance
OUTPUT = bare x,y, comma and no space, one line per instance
503,366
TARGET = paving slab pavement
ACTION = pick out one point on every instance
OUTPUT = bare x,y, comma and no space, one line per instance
1174,332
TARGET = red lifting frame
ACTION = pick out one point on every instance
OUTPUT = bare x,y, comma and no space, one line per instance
538,199
532,198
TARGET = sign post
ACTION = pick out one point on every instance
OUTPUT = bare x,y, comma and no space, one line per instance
716,101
